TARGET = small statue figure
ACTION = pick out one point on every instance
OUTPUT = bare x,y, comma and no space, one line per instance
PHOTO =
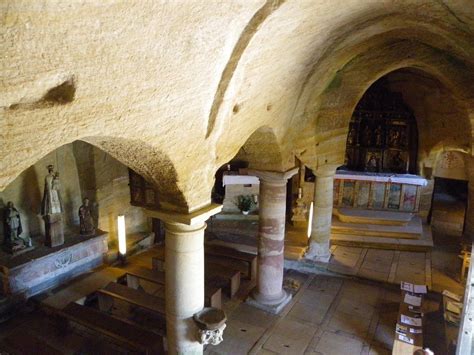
397,162
13,229
367,136
85,218
378,136
351,138
394,138
372,163
52,208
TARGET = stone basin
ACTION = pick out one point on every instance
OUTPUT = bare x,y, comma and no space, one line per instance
210,318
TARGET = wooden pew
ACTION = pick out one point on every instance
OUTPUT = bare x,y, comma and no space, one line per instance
158,261
137,298
20,342
119,331
212,295
248,258
221,276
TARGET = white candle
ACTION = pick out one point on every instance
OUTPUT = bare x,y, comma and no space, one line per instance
300,192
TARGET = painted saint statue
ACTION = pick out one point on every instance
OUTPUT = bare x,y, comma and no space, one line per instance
85,218
51,203
51,209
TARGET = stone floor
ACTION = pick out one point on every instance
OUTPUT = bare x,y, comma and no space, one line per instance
328,315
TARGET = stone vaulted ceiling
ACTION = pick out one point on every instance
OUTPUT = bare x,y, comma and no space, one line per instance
174,89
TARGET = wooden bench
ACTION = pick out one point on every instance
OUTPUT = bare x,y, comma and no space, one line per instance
248,258
158,261
212,295
20,342
121,332
220,276
137,298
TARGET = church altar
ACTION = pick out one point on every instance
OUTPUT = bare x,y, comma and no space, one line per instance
44,268
378,191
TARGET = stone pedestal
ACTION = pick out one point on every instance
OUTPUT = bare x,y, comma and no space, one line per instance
54,231
184,283
322,216
269,294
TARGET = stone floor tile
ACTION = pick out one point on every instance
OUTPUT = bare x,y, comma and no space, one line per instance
250,315
338,344
313,314
347,323
326,285
290,337
376,350
349,306
239,338
319,298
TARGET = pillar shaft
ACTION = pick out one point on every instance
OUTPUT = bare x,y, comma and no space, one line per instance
322,216
271,240
269,294
184,279
184,248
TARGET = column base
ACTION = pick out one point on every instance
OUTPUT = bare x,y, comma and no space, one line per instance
274,306
318,252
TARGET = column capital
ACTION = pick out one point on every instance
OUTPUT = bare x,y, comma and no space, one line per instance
274,177
325,170
191,219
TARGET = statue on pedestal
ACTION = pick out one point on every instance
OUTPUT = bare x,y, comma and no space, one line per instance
12,241
85,218
51,209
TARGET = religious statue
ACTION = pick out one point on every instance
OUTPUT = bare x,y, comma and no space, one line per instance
351,138
367,136
394,138
52,208
397,163
85,218
372,164
12,241
378,136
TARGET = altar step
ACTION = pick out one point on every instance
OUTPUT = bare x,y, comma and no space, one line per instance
423,243
412,230
364,216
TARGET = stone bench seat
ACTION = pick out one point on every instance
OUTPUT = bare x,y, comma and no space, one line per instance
121,332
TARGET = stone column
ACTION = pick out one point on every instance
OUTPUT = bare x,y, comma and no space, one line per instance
322,216
269,294
184,282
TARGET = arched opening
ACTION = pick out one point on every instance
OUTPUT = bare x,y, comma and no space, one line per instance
383,135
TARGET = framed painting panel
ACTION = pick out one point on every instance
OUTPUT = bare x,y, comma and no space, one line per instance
348,193
363,194
378,195
394,196
409,198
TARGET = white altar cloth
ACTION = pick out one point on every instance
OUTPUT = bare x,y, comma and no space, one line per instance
381,177
240,180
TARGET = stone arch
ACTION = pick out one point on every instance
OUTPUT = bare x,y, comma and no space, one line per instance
332,109
263,150
155,166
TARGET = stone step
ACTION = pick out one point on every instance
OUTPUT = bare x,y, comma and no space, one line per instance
412,230
423,243
363,216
